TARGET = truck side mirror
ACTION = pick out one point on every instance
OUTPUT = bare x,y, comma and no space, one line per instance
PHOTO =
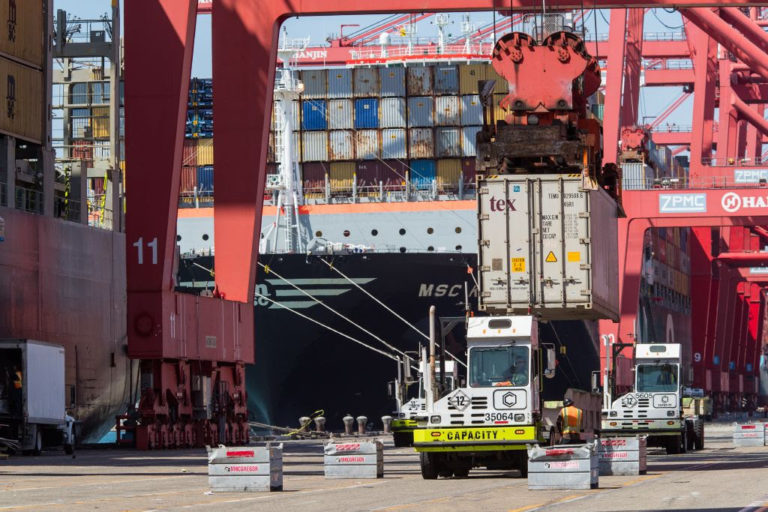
549,371
596,381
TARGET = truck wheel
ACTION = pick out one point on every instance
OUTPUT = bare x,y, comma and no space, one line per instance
699,441
429,468
38,449
522,464
690,440
402,439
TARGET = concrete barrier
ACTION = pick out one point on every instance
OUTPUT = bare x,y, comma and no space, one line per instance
364,459
563,467
245,468
748,434
622,456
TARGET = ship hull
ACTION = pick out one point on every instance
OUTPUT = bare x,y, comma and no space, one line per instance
302,367
64,283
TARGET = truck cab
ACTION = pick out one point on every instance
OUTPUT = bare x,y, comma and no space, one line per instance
653,406
489,421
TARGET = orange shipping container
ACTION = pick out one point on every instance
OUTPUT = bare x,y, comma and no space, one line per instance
204,152
21,31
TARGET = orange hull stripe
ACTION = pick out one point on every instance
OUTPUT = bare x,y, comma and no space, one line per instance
337,209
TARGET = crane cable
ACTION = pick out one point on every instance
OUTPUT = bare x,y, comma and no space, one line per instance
355,340
269,270
406,322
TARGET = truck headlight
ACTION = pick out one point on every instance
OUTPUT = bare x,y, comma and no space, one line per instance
519,417
614,414
670,413
402,415
435,419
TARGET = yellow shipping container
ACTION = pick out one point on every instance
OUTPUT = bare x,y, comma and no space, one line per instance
341,177
448,173
204,151
21,31
22,89
100,122
502,86
469,75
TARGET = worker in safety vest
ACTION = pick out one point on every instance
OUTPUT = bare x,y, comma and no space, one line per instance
569,422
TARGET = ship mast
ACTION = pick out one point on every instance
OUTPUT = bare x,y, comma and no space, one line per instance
287,183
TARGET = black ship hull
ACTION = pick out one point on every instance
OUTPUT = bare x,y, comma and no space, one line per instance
302,367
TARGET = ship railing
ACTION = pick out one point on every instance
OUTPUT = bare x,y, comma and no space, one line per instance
67,209
754,179
29,200
99,216
648,36
672,127
737,162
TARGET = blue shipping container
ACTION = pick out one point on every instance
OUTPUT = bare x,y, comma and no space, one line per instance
420,111
313,117
446,80
392,82
422,173
205,179
366,113
340,83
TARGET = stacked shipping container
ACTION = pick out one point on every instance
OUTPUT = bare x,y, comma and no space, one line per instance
379,127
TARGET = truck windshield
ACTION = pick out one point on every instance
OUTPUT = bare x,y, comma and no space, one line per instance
654,378
498,366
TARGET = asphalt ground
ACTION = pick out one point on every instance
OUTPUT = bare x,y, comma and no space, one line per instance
718,478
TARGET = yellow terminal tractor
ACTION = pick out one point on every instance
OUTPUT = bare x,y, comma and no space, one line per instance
489,421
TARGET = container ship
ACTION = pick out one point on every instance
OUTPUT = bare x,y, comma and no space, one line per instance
377,199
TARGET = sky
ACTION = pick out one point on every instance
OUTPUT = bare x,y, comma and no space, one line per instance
652,102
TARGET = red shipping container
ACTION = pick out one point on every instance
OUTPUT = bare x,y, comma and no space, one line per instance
313,178
188,180
82,150
189,153
369,173
468,169
393,173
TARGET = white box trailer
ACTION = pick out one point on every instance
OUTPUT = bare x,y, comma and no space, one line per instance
37,417
548,247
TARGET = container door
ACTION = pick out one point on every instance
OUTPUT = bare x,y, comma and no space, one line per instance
504,257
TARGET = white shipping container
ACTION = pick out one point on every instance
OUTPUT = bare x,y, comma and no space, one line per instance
547,247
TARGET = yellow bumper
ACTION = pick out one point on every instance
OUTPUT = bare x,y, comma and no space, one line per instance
403,425
472,439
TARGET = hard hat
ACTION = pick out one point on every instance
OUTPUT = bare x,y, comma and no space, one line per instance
567,402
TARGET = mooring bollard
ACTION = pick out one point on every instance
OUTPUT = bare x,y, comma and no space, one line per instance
320,424
387,422
304,423
361,422
245,468
349,422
